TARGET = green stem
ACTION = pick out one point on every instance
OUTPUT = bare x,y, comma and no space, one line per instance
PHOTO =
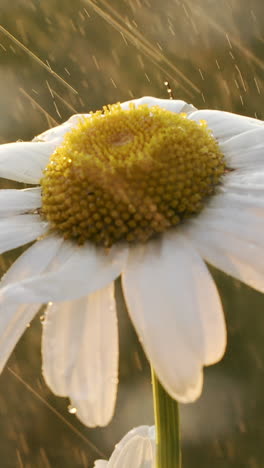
168,452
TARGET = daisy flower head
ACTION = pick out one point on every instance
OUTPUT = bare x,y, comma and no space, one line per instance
148,190
136,450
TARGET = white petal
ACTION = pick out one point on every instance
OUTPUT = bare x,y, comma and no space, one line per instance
225,125
141,441
231,250
33,261
19,230
137,453
80,354
15,318
19,201
56,134
239,267
24,161
245,151
135,450
244,183
172,105
245,220
76,272
229,234
176,310
249,201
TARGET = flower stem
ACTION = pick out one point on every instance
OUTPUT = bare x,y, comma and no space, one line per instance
168,452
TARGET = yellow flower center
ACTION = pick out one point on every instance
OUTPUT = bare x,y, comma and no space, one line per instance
129,175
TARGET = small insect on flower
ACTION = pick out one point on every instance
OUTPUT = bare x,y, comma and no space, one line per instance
147,190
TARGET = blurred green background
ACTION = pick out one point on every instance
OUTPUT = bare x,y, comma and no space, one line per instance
211,52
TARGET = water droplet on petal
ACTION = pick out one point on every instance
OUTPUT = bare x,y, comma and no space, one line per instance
72,409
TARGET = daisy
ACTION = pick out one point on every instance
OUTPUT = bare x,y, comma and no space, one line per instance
135,450
150,189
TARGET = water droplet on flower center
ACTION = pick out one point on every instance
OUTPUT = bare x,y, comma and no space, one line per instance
128,175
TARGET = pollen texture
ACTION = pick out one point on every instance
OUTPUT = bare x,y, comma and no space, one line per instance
128,175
